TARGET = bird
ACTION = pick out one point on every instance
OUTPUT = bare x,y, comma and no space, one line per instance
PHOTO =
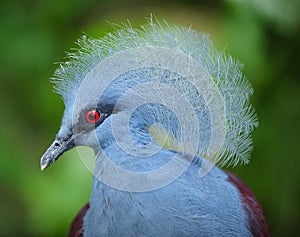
164,111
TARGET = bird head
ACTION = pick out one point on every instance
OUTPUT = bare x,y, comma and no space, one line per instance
149,90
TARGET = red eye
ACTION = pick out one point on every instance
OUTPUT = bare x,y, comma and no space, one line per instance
92,116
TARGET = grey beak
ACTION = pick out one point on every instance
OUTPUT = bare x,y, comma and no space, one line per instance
56,149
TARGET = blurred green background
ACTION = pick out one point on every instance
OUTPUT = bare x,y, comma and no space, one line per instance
263,34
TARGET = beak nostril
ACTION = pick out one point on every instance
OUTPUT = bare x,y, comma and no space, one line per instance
55,150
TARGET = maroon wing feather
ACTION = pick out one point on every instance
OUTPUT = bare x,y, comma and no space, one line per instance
257,221
76,229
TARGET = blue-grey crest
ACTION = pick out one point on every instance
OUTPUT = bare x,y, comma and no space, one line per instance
161,107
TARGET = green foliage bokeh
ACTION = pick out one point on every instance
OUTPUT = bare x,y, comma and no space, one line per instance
263,35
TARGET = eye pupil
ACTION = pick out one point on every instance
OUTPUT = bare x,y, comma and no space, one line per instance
92,116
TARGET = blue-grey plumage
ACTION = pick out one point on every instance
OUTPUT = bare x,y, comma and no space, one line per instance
188,206
157,105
